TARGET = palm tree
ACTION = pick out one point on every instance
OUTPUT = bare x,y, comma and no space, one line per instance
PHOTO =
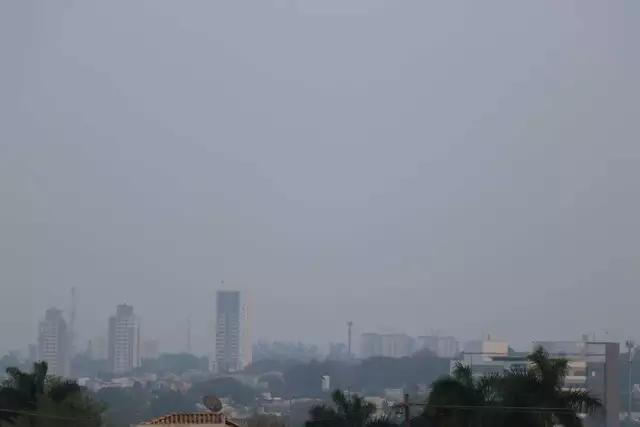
531,397
545,383
27,386
453,400
349,411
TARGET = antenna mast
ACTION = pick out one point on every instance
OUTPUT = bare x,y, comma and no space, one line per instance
349,325
72,322
189,334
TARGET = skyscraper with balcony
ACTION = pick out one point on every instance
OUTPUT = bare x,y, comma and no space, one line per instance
232,343
124,340
53,342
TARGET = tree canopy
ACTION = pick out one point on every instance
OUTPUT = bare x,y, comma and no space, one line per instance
533,397
37,399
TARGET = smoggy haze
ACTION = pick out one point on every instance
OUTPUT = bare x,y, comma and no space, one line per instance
467,166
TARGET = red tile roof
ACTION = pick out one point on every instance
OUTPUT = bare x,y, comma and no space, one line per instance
197,418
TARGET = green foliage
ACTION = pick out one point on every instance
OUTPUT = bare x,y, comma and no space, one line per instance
124,406
534,397
346,411
225,387
373,375
37,400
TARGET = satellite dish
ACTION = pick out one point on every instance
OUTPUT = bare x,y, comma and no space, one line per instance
212,403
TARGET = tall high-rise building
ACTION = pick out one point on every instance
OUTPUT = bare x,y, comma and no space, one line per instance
231,332
53,342
124,340
246,344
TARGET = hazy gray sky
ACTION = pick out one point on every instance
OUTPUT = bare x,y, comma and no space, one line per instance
469,166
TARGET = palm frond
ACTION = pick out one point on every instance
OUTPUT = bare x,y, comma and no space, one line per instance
579,400
343,404
383,421
463,373
318,412
540,361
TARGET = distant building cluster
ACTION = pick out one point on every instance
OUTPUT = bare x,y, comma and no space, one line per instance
124,349
402,345
592,365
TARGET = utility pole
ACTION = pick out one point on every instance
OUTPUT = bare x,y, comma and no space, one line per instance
631,348
407,415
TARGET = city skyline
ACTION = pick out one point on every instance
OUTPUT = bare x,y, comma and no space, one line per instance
97,340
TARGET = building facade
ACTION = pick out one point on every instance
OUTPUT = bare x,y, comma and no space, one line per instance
246,343
444,347
228,332
397,345
124,340
370,345
53,343
386,345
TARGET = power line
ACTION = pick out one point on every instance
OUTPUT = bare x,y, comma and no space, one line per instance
536,409
520,409
35,414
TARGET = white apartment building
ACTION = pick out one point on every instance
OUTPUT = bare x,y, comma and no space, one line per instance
444,347
370,345
53,343
233,347
486,357
124,340
246,343
386,345
397,345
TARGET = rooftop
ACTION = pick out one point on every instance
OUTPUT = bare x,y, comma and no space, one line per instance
191,418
